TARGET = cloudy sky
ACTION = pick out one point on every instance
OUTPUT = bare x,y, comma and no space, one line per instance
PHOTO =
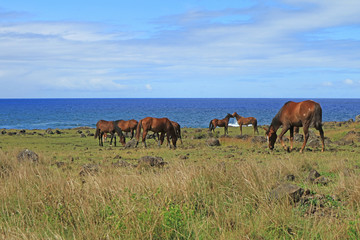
180,48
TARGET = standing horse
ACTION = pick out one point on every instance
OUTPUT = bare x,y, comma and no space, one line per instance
220,123
157,125
177,130
245,121
103,127
127,126
302,114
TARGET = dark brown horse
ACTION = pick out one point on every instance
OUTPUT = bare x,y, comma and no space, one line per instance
302,114
110,127
220,123
177,130
246,121
127,126
157,125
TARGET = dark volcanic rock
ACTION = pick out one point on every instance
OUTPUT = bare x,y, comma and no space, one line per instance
121,163
89,169
27,155
151,161
259,139
131,144
293,192
312,175
212,142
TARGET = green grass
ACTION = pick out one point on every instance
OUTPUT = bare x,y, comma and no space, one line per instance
202,193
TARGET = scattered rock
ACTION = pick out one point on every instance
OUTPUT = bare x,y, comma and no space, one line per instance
298,137
89,169
290,177
293,192
58,131
151,161
82,135
242,137
259,139
312,176
321,180
3,131
183,157
49,131
59,164
27,155
79,131
131,144
213,142
121,163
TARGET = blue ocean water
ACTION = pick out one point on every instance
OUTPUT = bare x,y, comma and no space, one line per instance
70,113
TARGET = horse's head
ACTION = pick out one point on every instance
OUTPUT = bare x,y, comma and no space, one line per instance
229,115
122,139
271,137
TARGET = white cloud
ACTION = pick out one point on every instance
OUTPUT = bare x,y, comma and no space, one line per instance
348,82
88,56
328,84
148,87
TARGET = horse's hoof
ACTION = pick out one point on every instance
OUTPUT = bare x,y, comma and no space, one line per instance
288,149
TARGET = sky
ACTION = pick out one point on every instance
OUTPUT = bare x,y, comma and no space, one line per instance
180,49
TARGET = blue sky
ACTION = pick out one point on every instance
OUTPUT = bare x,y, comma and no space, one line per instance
180,48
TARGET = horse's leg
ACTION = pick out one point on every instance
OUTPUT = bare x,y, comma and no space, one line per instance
132,134
284,130
144,137
100,139
321,131
161,139
306,136
114,139
240,129
111,139
291,137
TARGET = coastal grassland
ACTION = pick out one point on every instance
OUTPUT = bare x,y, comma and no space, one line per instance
203,192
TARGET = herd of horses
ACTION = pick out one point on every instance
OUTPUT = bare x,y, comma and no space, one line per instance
291,116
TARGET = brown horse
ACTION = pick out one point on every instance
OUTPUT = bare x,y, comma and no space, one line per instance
157,125
302,114
177,130
127,126
220,123
245,121
103,127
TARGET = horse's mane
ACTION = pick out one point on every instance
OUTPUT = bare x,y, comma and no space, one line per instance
276,120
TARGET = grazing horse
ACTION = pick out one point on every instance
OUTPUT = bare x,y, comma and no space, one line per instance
302,114
103,127
245,121
157,125
220,123
177,130
127,126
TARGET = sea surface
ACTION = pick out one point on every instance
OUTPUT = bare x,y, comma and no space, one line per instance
189,112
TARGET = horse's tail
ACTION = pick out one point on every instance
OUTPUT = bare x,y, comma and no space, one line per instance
317,118
118,129
138,130
255,126
211,126
97,132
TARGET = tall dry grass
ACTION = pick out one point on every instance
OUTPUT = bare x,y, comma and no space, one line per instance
184,200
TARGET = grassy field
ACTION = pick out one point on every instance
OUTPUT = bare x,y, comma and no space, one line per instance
78,190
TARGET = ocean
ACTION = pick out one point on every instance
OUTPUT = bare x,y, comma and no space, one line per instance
188,112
